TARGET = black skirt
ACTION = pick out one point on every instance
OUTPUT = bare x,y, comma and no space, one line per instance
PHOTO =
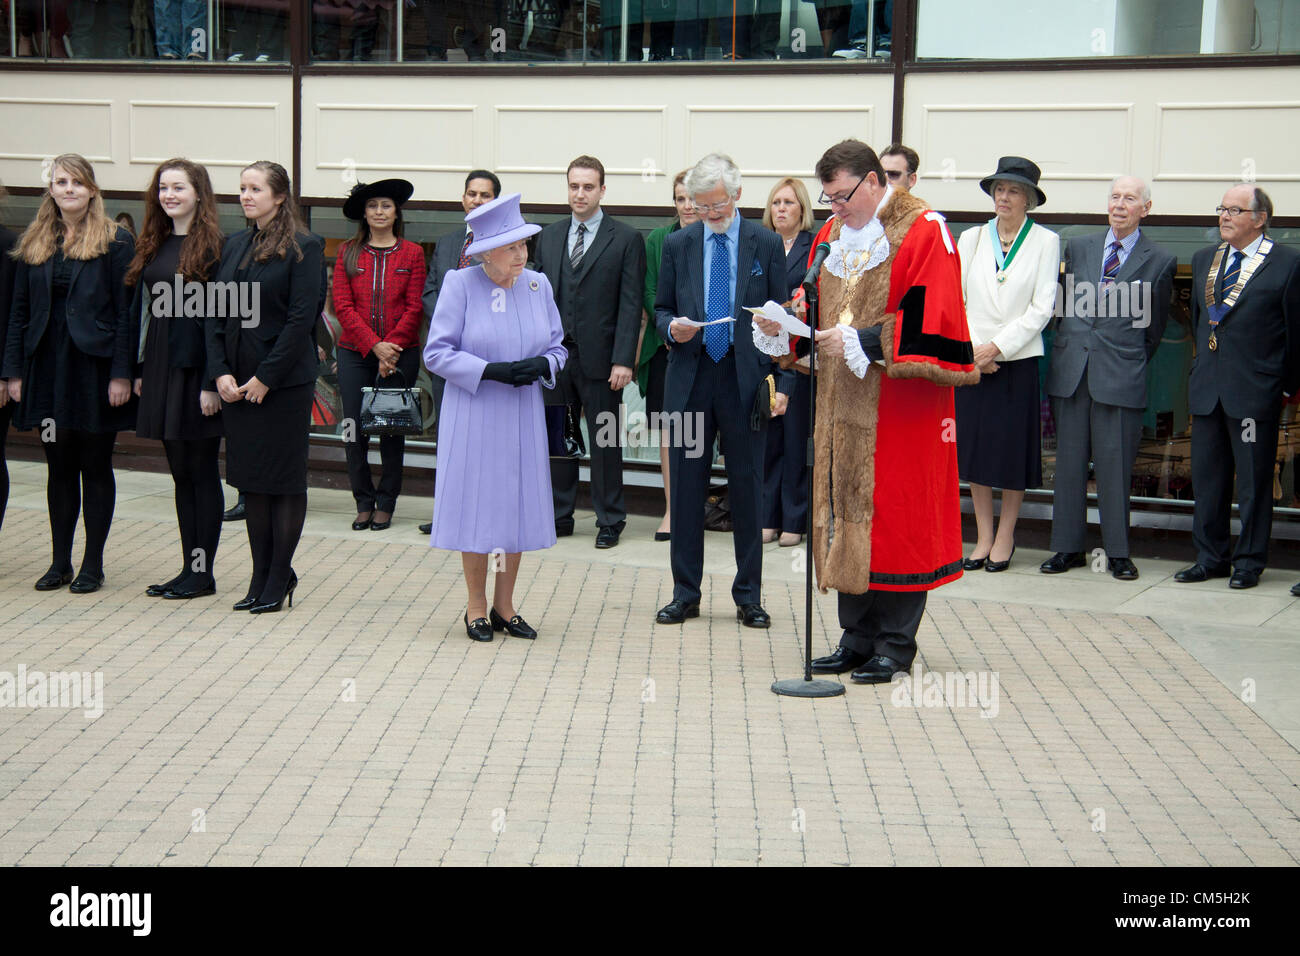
266,443
998,430
169,397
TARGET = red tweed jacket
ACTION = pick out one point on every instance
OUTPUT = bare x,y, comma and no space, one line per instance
381,303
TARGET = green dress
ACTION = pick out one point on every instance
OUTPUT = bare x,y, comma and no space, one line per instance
651,341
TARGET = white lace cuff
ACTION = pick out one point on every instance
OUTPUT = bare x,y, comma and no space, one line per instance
854,357
774,345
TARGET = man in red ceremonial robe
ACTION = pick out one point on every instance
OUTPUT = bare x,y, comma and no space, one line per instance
892,343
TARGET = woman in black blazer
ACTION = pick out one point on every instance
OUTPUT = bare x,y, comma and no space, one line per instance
69,357
179,405
264,364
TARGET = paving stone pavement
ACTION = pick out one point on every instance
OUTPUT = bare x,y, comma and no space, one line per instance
362,727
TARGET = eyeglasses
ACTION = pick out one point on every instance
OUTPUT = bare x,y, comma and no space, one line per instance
715,207
1233,211
826,200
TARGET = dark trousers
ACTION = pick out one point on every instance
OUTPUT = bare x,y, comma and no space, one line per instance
717,402
785,466
599,402
1108,435
882,623
357,371
1221,444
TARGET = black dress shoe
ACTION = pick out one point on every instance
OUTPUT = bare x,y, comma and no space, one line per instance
86,583
362,525
1239,580
842,661
994,566
973,564
426,528
479,629
675,612
237,513
184,592
515,627
1062,561
1197,573
156,590
753,615
1295,589
878,670
1122,569
663,535
607,538
52,580
563,531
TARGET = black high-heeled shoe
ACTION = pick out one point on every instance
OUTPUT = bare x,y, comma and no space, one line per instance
480,629
271,607
515,627
1001,565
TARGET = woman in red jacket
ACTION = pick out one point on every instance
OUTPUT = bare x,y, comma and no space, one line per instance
378,278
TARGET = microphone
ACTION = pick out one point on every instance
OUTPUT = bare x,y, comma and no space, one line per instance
810,278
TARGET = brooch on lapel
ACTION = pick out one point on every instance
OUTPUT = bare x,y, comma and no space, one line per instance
533,284
757,270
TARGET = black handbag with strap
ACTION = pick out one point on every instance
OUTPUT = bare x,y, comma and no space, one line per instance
391,411
563,433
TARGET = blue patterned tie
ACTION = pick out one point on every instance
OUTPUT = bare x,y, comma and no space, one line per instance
1111,265
718,337
1230,277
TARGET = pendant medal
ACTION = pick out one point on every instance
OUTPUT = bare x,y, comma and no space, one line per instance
1214,342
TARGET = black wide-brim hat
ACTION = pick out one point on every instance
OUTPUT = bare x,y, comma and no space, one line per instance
398,190
1015,169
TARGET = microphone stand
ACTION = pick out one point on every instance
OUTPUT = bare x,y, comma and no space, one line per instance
807,686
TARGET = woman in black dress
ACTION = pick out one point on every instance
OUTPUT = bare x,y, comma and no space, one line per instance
264,364
69,357
179,405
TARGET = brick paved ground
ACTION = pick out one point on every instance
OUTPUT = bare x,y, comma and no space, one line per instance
363,727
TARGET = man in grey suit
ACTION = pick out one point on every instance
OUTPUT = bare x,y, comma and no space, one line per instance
1118,289
449,253
596,266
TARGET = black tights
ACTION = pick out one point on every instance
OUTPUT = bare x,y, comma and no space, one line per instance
80,482
274,527
6,413
199,504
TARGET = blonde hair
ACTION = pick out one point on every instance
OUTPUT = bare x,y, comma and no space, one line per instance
90,237
800,194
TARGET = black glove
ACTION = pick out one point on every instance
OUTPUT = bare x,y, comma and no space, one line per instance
529,370
499,372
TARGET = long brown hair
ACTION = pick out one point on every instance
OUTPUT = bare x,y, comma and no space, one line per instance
90,238
202,247
352,250
275,241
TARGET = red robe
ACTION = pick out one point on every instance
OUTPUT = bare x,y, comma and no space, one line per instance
886,507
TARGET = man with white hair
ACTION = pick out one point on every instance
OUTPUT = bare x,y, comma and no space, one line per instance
1118,290
711,271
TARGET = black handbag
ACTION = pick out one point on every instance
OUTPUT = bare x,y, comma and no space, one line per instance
563,433
391,411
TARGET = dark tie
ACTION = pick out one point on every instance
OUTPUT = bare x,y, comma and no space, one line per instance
1111,267
464,260
1230,277
718,337
575,257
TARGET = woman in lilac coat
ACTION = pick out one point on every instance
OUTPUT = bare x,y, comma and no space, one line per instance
496,338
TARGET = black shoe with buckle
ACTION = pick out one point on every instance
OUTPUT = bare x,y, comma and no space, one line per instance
1122,569
479,629
675,612
515,627
1063,561
753,615
841,662
878,670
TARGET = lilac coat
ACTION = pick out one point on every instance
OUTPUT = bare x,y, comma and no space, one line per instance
493,487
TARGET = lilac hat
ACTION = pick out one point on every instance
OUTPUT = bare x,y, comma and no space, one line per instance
498,223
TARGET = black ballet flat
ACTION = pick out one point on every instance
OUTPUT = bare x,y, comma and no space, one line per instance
515,627
52,580
186,593
86,583
157,590
480,629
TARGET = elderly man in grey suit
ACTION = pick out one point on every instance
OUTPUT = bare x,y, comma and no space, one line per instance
1118,289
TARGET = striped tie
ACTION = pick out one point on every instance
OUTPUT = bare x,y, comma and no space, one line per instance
575,257
718,306
463,261
1230,277
1111,267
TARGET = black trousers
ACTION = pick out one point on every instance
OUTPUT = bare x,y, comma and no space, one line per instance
356,372
785,466
600,405
716,402
881,623
1220,445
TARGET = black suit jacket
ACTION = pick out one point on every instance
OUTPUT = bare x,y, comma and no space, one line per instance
289,297
98,309
1258,357
446,253
606,318
761,275
8,270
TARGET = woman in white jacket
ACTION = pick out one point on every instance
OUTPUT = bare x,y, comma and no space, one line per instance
1009,271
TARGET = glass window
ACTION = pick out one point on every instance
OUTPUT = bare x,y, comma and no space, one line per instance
1089,28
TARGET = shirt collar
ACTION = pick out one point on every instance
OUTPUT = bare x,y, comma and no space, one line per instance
1127,243
1251,249
592,224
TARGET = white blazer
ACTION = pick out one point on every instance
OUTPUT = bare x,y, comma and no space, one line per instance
1011,314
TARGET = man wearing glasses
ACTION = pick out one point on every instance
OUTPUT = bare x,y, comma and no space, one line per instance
1246,313
710,271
